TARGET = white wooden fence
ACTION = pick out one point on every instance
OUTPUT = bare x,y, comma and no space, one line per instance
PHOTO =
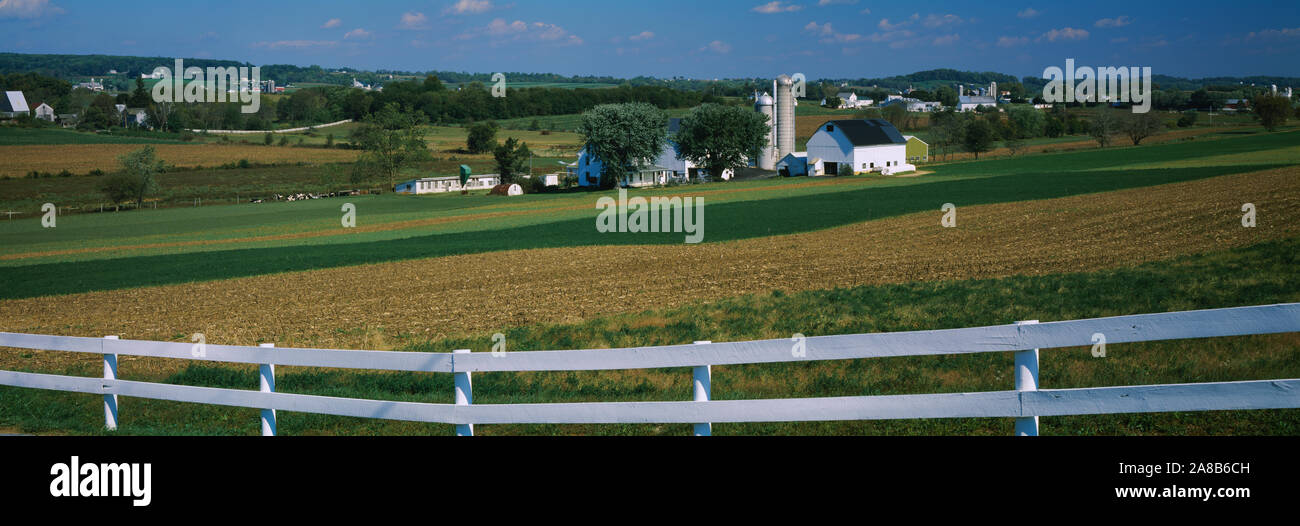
1025,402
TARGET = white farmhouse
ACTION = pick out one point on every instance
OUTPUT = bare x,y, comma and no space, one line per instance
44,111
848,99
847,147
668,167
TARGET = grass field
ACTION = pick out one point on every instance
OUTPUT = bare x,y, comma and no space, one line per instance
1054,236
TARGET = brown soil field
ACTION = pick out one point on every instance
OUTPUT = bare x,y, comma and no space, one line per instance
463,295
82,158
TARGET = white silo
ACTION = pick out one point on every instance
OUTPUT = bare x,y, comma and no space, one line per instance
784,116
767,156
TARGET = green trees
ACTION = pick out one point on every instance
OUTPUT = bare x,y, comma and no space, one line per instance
622,136
1188,118
1139,126
1271,110
137,177
979,136
512,158
482,137
947,96
391,139
720,137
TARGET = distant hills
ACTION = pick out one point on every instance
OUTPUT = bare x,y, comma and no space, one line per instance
70,67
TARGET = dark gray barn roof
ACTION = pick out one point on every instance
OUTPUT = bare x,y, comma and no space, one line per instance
869,132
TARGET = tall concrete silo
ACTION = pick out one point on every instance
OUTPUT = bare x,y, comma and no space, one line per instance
784,116
767,156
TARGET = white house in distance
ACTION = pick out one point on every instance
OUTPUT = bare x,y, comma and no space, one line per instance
667,167
913,105
451,183
848,99
44,111
971,102
847,147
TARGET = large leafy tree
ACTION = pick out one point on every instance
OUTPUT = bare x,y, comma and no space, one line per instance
720,137
978,137
137,177
482,137
623,136
1271,110
391,139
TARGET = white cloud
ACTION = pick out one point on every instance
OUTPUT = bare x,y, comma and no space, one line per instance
933,21
1012,41
946,39
830,2
776,7
357,33
1119,21
644,35
28,8
1029,12
1065,33
296,44
886,25
463,7
828,34
414,21
331,23
717,46
1274,34
502,32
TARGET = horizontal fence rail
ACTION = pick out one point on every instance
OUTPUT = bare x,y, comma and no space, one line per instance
1027,402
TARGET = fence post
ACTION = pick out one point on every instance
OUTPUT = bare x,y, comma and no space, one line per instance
703,383
266,372
110,400
464,396
1026,376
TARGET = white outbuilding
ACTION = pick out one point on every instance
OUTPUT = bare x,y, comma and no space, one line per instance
848,147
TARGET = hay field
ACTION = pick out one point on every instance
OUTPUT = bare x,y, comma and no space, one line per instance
82,158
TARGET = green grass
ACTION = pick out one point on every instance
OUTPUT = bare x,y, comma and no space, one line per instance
965,183
1262,274
11,136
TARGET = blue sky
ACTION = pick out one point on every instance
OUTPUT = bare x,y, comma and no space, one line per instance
691,38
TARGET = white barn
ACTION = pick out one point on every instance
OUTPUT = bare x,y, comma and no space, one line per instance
13,104
847,147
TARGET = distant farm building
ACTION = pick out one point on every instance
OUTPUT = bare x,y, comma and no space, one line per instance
45,112
13,105
913,105
797,164
848,147
918,151
982,97
849,99
451,183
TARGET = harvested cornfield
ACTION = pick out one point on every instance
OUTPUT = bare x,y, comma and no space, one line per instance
82,158
461,295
